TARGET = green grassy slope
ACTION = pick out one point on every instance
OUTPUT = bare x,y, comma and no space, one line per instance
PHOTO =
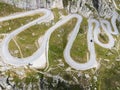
108,73
8,9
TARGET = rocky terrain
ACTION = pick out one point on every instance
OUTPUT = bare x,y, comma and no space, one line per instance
60,76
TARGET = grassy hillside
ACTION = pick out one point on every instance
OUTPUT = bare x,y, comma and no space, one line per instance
8,9
106,77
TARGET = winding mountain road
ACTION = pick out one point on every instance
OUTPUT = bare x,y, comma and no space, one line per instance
39,55
90,40
39,59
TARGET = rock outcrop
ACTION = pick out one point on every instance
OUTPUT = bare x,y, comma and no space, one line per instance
33,4
84,7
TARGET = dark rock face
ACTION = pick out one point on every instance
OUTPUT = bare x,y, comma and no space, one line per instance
96,4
